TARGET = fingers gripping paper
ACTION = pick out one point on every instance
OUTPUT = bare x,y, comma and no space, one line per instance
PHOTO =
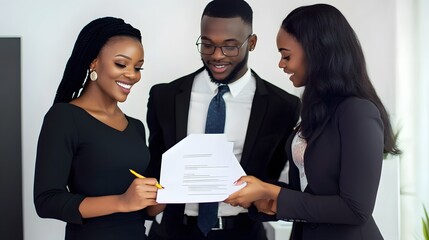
200,168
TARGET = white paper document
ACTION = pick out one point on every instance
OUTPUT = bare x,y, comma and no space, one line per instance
200,168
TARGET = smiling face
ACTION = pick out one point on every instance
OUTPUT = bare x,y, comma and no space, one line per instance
118,67
226,32
292,57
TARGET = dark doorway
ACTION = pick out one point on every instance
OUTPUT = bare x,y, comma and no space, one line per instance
11,224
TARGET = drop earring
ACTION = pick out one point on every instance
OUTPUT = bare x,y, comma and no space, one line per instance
93,75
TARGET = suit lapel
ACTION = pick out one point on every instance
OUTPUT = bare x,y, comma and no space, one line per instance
259,107
183,99
182,108
319,130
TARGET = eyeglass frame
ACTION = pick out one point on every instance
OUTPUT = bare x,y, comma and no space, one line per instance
198,44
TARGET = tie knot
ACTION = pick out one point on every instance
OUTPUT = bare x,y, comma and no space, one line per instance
222,89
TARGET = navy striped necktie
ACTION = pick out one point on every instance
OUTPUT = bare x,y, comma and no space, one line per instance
215,123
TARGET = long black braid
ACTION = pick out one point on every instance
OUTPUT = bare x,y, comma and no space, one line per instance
87,47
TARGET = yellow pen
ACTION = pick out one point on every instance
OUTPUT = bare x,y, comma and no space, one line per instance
140,176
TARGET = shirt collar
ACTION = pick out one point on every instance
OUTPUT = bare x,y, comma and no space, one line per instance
234,88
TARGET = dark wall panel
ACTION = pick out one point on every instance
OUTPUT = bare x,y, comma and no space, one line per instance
11,223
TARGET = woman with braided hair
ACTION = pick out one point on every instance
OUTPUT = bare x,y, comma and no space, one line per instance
87,144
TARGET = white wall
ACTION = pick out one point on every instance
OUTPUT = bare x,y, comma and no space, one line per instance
412,88
48,29
423,100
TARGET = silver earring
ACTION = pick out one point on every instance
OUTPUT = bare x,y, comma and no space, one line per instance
93,75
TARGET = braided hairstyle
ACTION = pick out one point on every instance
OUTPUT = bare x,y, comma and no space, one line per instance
87,47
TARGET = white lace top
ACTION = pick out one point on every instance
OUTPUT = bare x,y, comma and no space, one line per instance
298,149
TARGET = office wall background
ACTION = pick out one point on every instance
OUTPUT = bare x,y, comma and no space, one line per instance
49,28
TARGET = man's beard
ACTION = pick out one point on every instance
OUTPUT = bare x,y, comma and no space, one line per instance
232,76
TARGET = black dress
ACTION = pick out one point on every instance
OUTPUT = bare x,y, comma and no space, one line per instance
78,156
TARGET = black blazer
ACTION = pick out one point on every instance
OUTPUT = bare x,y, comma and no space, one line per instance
343,163
273,115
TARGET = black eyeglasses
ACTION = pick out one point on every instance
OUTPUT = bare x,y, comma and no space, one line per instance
228,51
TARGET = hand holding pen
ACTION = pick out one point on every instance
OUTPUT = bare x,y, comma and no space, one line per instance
141,176
140,194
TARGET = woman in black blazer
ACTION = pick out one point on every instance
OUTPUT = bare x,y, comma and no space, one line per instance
335,154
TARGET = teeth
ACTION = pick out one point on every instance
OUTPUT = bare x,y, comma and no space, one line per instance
127,86
219,66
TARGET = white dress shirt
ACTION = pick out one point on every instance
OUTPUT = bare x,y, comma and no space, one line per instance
238,103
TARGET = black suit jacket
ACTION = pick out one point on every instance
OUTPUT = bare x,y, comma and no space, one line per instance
273,115
343,161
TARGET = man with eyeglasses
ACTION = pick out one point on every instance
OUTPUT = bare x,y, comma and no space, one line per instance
258,119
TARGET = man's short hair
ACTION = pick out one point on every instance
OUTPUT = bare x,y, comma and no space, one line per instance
229,9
